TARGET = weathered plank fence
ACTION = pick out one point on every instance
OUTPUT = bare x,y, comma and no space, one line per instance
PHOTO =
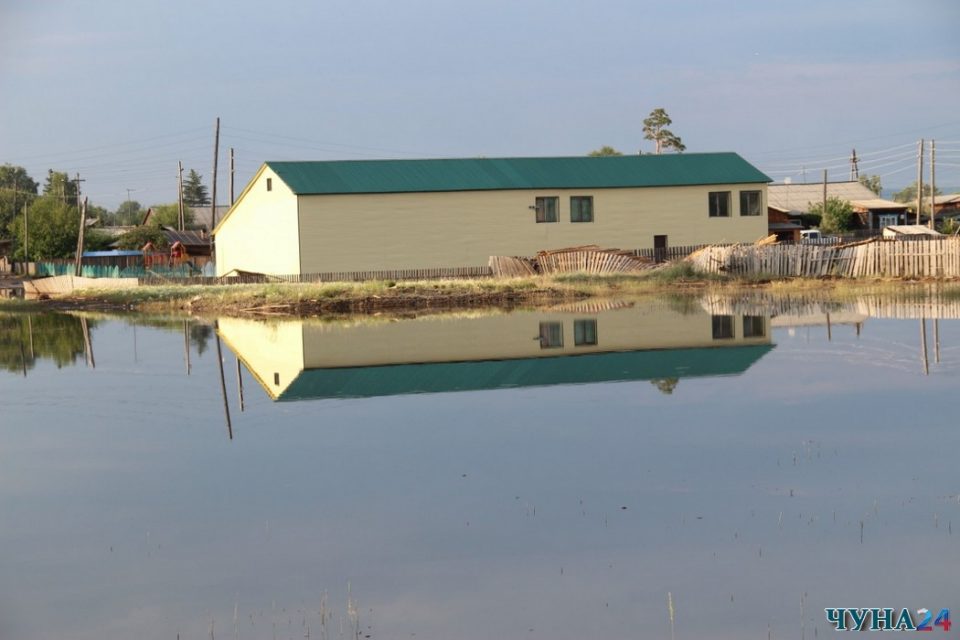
933,258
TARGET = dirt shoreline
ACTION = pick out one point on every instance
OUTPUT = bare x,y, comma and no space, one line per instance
392,297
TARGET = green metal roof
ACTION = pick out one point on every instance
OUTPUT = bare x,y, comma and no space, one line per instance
484,174
388,380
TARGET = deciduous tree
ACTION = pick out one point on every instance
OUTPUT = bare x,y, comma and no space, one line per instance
872,183
909,193
53,228
603,152
17,189
838,216
59,185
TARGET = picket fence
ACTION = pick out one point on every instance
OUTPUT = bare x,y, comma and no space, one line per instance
933,258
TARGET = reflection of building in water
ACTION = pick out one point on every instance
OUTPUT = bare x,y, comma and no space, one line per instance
297,359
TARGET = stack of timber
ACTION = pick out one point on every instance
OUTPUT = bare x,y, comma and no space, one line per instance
585,259
927,258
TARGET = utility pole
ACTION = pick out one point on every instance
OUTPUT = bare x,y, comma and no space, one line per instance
180,193
933,182
854,166
824,210
231,176
919,178
26,236
213,188
77,180
83,223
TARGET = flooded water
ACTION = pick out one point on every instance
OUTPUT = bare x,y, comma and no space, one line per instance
697,468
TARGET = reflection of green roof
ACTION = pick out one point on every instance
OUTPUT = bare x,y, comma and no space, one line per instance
483,174
397,379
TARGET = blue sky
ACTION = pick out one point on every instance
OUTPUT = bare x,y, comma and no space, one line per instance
119,91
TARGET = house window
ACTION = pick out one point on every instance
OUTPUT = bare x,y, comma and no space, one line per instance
584,333
581,208
551,335
547,209
750,202
753,327
719,204
269,184
886,220
722,327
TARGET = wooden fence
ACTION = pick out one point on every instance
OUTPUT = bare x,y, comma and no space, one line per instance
667,253
933,258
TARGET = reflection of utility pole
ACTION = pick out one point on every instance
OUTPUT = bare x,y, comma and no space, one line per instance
223,381
936,340
923,340
87,343
30,333
240,384
186,344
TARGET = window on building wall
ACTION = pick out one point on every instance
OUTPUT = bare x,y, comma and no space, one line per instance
750,203
584,333
551,335
581,208
722,327
753,327
719,204
269,184
547,209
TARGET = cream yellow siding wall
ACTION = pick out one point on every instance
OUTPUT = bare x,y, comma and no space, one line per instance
260,233
508,336
271,351
430,230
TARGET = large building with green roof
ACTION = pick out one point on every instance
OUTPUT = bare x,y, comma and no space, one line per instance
334,216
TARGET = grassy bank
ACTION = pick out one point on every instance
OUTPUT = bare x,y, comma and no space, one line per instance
375,296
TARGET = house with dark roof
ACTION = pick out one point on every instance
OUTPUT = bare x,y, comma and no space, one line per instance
870,211
315,217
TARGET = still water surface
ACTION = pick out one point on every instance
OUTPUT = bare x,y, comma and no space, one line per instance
551,474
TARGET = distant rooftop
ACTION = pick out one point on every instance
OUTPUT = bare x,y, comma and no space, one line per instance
800,197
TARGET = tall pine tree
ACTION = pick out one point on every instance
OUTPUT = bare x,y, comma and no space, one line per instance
194,191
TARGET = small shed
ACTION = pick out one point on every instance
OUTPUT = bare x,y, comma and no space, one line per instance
909,232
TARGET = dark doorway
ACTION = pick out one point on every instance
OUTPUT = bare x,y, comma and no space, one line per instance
659,248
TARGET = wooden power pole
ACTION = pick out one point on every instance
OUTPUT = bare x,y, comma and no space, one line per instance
213,188
933,182
919,179
180,193
824,210
83,223
231,176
